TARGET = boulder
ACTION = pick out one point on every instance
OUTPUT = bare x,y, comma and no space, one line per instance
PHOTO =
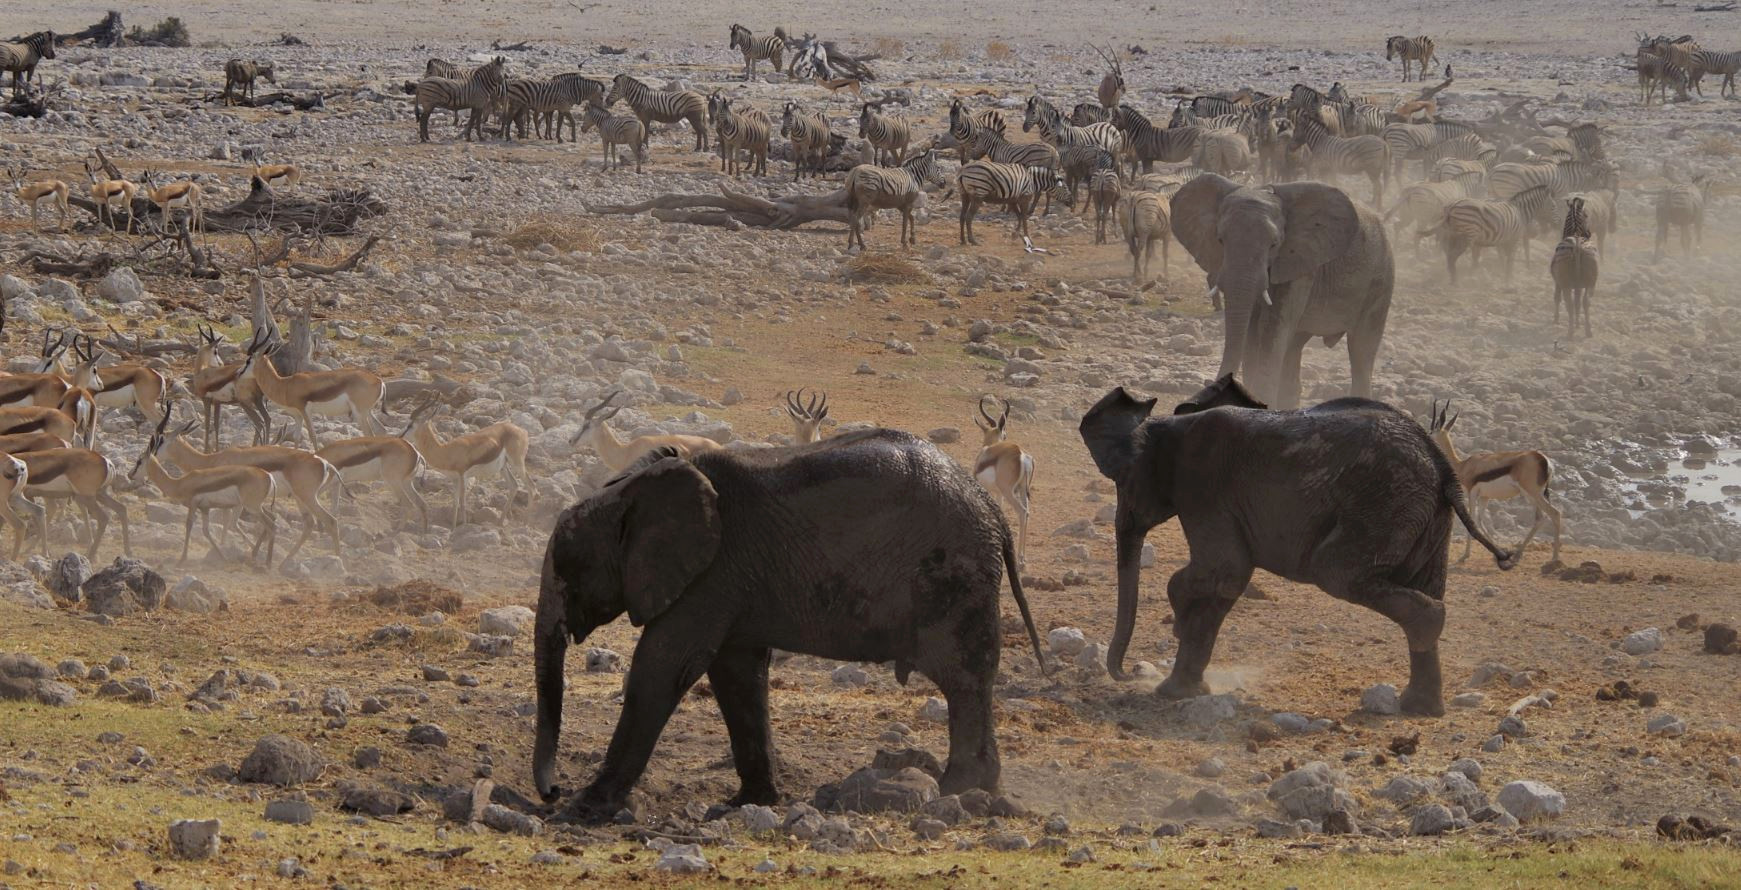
18,586
194,838
1311,792
290,811
1381,699
1721,639
67,576
871,790
281,760
1532,801
1641,642
505,621
121,285
191,594
125,587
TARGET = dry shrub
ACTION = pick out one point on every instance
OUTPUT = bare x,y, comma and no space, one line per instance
950,49
417,597
436,639
889,47
169,32
1718,145
884,268
565,237
999,51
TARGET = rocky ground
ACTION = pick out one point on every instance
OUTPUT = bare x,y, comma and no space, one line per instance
396,669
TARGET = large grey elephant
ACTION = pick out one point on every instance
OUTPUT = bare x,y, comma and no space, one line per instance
1295,261
870,546
1350,495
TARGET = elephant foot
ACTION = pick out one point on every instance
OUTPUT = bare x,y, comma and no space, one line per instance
959,778
1424,696
1176,687
594,807
762,795
1422,703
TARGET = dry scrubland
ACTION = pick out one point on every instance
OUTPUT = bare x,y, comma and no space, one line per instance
493,274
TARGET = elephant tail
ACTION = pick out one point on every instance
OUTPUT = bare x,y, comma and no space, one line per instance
1009,561
1453,491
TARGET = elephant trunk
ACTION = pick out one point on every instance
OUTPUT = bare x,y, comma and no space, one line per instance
1240,291
549,649
1130,568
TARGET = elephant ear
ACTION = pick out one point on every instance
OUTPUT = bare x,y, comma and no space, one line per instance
1224,391
1109,430
1320,225
671,531
1196,212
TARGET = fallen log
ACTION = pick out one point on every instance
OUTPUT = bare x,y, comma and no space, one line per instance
731,208
1715,7
309,270
103,35
300,103
79,267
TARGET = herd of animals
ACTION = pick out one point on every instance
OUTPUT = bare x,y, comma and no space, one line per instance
905,550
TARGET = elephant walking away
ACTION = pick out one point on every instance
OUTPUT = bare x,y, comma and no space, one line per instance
1294,261
1351,496
871,546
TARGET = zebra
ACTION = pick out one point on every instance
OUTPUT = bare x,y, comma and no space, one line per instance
758,48
745,129
20,58
481,92
1582,142
1423,204
1600,213
1577,224
870,188
1304,101
1148,143
663,106
1146,217
615,130
549,102
1411,49
1682,53
1484,222
1329,154
810,137
1079,163
1508,179
1054,129
888,133
243,74
1657,70
1467,147
1458,168
1216,106
1103,191
1726,64
1682,205
964,125
1574,269
445,69
1086,113
1016,187
1222,152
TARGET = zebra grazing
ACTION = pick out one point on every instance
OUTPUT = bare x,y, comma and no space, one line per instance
479,93
1327,154
615,130
1726,64
758,48
888,134
746,129
1484,222
1574,268
1562,178
1146,218
1658,69
1411,49
1103,191
870,188
238,73
1149,143
1423,204
1600,216
1014,186
20,58
549,103
810,137
1683,206
662,106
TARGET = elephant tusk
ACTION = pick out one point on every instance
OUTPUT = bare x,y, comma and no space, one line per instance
1266,300
1212,292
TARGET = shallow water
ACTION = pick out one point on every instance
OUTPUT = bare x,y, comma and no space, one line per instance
1714,478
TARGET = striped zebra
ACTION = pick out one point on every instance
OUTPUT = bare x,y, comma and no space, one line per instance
1217,106
1562,178
1682,205
992,147
810,137
1306,102
888,134
479,93
1467,147
1422,204
1484,222
1657,71
1726,64
1079,163
243,74
1086,113
1104,188
963,125
1014,186
448,70
870,188
1582,142
662,106
1682,54
615,130
1325,154
1061,133
1459,168
1411,49
1148,143
548,103
1600,214
20,58
741,129
758,48
1574,268
1146,218
1577,224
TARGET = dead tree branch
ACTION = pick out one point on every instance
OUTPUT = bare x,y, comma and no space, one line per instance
308,270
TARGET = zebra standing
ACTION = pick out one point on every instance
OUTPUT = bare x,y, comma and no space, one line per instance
1600,211
20,58
1086,113
549,102
1054,129
663,106
1148,143
888,134
1411,49
1079,163
243,74
1103,190
1016,187
870,188
810,137
1508,179
1577,224
1682,206
615,130
1423,204
446,69
1325,154
758,48
1481,222
745,129
480,93
1574,268
1726,64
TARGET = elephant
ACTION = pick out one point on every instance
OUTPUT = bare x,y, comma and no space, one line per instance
1294,261
1350,496
869,546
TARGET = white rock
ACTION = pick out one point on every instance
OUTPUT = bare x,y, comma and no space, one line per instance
121,286
1208,710
194,838
1381,699
505,621
850,676
935,710
683,859
1666,725
1066,641
1532,801
1640,642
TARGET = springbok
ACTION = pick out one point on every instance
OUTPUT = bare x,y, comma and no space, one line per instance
238,490
218,385
496,450
807,418
125,385
1004,467
46,387
351,391
14,475
617,454
184,195
306,475
388,459
33,194
104,191
82,475
1499,476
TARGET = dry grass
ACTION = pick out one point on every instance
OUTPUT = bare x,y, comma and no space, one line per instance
417,597
999,51
950,49
1718,145
889,47
564,236
885,268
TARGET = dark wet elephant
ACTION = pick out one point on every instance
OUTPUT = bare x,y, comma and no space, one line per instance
1350,496
871,546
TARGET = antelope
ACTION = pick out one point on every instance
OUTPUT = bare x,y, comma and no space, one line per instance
806,418
105,191
306,475
45,388
36,418
219,385
183,195
33,193
617,454
14,475
130,384
271,173
388,459
84,476
350,391
13,443
1499,476
238,490
1407,109
1005,468
1111,88
79,405
496,450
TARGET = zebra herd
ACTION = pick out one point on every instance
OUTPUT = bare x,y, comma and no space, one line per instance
1679,62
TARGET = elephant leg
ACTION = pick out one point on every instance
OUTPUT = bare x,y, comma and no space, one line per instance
956,646
1422,619
740,685
973,758
1201,597
1364,340
1288,375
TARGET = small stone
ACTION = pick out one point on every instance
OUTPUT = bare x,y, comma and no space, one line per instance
290,812
757,819
375,801
194,838
1512,726
510,821
849,676
291,868
682,859
366,758
945,435
1667,726
1431,820
1531,801
505,621
1277,828
1066,641
1207,710
1468,700
929,829
1468,767
1340,822
335,702
1642,642
280,760
549,857
427,734
1057,824
1211,768
435,674
766,866
603,661
1494,744
1082,855
1721,639
1488,592
1381,699
935,710
1008,841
